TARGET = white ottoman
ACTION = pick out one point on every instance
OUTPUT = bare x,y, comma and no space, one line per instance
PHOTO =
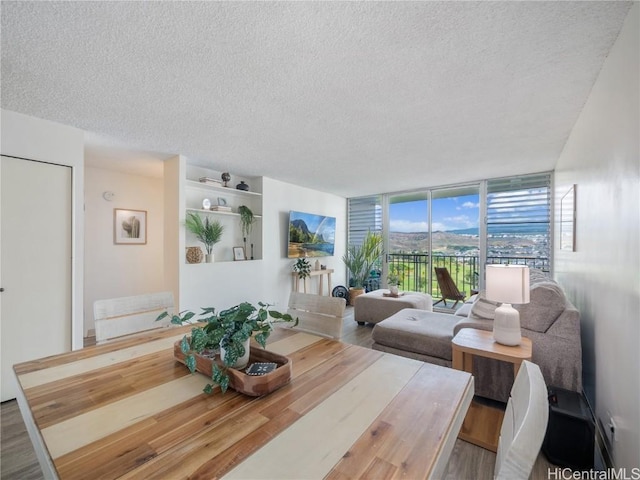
373,307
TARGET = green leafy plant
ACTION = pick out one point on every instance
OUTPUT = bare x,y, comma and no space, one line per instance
247,219
228,329
208,232
302,267
359,259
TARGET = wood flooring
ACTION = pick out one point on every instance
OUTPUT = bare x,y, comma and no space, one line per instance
18,460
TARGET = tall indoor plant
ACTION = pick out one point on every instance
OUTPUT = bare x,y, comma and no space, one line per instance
360,259
208,232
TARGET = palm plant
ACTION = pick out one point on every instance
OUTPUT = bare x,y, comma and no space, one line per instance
360,259
208,232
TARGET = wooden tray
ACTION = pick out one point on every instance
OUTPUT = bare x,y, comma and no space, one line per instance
253,385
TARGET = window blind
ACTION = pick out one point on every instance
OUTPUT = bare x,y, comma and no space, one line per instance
365,214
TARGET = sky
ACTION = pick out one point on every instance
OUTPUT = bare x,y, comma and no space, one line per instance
454,213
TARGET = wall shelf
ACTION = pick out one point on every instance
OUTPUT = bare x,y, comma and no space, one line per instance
225,190
216,212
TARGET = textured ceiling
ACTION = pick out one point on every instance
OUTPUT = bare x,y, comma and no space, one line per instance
350,98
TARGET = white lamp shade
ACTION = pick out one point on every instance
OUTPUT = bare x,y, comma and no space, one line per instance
508,283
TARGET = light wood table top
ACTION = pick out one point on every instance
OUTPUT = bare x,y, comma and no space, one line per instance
127,409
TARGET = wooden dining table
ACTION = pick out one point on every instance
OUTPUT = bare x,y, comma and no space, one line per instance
128,409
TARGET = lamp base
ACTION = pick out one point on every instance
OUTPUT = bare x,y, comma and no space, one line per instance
506,325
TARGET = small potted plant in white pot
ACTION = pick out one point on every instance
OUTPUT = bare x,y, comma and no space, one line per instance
208,232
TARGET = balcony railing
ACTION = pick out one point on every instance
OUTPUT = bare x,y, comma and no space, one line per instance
412,270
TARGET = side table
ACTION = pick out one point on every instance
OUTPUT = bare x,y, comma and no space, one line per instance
482,424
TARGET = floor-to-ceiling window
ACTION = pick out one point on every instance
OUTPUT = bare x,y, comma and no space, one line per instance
460,228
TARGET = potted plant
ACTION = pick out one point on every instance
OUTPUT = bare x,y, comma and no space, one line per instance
302,267
393,281
230,331
208,232
247,219
360,259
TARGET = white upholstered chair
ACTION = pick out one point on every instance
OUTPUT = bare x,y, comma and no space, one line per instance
115,317
524,424
317,314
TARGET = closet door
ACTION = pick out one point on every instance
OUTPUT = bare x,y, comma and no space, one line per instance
35,263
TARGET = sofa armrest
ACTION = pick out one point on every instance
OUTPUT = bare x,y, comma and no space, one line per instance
559,358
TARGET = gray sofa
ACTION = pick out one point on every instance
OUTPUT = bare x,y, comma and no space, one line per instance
549,320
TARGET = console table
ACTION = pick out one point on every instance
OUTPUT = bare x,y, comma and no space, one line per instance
314,273
482,424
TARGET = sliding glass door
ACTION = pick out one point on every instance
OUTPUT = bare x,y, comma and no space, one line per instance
434,228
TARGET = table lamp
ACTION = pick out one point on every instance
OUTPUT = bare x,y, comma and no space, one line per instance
507,284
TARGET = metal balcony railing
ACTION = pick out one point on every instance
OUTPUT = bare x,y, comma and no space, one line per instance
412,270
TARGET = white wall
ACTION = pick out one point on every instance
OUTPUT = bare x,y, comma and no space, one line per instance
224,284
602,157
121,270
36,139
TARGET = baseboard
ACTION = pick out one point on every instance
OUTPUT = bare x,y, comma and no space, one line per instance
602,459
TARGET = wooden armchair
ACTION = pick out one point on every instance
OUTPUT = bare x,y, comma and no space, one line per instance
448,288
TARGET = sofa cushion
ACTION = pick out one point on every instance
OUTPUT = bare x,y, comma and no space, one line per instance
546,303
483,308
417,331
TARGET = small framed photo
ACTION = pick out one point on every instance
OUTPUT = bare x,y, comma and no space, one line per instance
222,201
129,227
238,253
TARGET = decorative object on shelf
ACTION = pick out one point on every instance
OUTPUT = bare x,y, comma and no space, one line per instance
247,219
226,178
208,232
210,181
228,330
206,204
238,253
242,186
222,202
360,259
220,208
317,265
194,255
507,284
302,267
129,227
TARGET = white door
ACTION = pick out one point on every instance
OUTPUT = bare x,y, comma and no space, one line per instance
35,263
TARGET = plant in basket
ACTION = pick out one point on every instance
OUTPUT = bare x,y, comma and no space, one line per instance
230,331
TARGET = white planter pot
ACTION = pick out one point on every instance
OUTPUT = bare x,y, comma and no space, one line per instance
393,289
242,361
208,257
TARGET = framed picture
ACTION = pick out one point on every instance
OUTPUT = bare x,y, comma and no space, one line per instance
129,227
238,253
222,201
568,220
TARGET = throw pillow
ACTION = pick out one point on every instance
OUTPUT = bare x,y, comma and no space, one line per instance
483,308
546,303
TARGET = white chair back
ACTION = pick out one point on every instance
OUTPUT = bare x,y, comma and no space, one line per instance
318,314
524,424
115,317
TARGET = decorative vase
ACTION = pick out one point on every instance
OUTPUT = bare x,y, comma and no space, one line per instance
194,255
243,360
242,186
209,258
226,178
393,289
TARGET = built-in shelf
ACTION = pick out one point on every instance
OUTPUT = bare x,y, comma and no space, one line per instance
221,189
217,212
